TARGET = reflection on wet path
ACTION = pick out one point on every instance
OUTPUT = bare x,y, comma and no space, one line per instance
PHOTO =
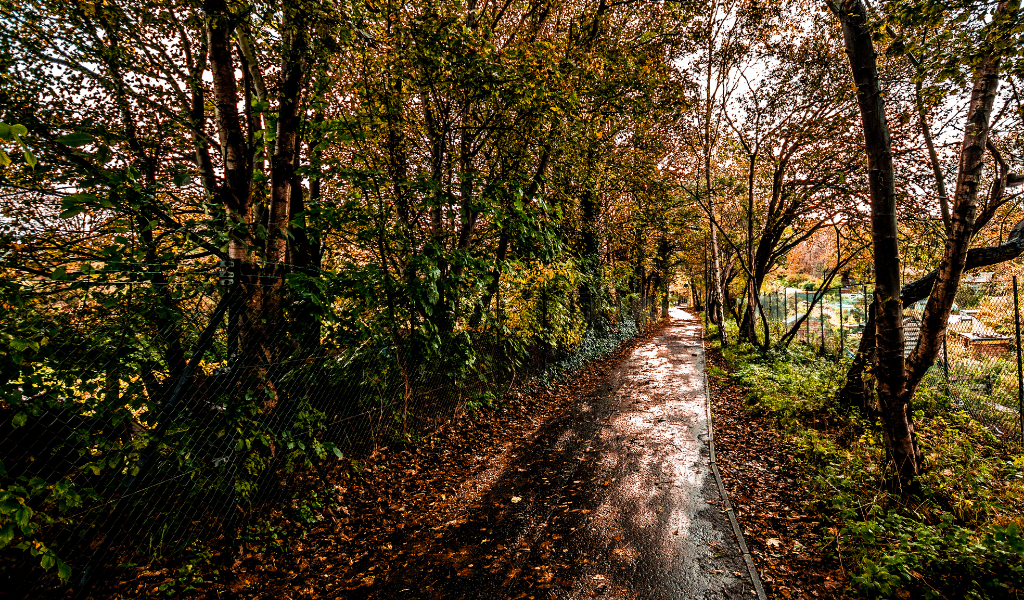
613,499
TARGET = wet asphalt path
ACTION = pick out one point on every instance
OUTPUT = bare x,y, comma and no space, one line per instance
614,499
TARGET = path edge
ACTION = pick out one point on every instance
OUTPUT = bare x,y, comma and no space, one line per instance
747,558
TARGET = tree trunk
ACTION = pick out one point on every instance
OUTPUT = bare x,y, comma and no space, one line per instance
718,314
896,381
933,157
747,327
286,139
235,193
889,365
717,306
589,249
951,267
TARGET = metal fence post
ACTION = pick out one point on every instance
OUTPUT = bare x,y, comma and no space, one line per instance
865,304
842,331
807,319
1020,373
821,320
945,362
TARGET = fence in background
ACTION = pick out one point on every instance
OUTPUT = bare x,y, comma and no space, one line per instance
979,368
157,416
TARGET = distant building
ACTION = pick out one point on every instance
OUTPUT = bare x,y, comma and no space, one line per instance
976,280
968,331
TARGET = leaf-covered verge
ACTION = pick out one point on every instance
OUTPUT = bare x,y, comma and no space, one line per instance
337,532
759,472
959,536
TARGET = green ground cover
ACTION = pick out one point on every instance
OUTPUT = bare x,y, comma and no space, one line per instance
959,535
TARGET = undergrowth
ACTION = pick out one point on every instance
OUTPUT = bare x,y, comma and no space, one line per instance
959,536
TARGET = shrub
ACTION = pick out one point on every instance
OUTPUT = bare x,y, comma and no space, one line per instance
959,537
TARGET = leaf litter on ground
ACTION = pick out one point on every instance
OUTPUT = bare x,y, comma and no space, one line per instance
402,501
765,485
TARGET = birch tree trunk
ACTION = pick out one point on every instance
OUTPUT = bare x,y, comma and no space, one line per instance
962,219
897,380
286,138
888,367
235,193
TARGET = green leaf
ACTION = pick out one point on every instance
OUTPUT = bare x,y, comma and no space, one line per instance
22,516
29,157
72,212
75,139
20,345
74,199
18,131
5,132
4,159
63,571
6,534
19,419
76,204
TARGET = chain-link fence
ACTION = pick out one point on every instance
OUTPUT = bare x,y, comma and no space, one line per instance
979,368
150,418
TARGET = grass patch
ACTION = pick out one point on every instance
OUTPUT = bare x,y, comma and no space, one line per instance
959,537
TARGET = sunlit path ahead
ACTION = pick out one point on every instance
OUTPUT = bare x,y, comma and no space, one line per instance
615,498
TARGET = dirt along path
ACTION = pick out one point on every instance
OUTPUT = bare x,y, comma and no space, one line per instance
613,498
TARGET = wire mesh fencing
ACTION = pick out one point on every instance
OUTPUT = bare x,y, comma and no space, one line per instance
979,369
153,417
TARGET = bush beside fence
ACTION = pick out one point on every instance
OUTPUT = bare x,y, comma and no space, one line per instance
979,368
128,436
